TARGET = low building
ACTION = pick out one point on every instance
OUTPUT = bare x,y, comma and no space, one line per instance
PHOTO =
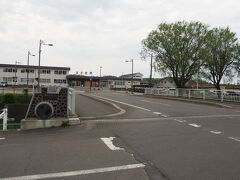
166,82
105,81
23,74
137,75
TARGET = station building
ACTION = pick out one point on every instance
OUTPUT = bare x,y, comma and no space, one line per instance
49,75
105,81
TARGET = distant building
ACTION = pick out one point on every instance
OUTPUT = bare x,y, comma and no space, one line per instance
105,81
166,82
17,74
137,75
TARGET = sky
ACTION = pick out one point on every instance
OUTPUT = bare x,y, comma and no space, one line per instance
87,34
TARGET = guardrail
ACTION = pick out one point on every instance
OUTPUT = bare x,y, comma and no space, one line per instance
204,94
4,116
71,100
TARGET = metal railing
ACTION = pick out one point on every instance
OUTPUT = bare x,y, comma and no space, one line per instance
71,100
204,94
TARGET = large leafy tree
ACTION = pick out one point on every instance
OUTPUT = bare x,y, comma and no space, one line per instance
178,49
221,54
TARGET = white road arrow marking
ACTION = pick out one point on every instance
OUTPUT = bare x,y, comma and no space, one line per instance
109,143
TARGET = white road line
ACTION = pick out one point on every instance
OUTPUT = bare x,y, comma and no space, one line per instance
76,173
2,138
157,113
123,103
155,102
164,115
235,138
181,121
216,132
211,116
109,144
195,125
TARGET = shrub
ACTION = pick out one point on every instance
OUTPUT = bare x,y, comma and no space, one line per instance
65,124
25,91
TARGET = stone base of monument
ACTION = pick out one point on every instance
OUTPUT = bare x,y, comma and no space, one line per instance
53,122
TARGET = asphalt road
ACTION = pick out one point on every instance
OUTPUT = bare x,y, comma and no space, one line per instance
162,139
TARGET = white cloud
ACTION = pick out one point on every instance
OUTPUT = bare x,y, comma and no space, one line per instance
90,34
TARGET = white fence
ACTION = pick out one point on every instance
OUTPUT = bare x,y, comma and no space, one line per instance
71,100
4,116
205,94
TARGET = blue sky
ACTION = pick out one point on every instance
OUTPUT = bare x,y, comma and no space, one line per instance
94,33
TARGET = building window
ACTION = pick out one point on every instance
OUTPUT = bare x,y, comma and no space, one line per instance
31,80
45,80
45,71
60,72
9,70
8,79
59,81
27,70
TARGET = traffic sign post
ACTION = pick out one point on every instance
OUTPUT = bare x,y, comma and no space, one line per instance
91,83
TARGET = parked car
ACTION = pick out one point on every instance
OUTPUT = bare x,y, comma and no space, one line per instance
3,84
232,93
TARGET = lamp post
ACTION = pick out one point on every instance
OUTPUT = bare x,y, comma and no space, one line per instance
41,42
15,77
29,54
132,74
100,76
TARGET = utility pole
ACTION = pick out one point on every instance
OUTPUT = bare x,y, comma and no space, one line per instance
150,80
132,77
39,60
100,77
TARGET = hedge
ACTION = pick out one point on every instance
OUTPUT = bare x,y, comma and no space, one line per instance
10,98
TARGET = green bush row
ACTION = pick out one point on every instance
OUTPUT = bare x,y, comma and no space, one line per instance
10,98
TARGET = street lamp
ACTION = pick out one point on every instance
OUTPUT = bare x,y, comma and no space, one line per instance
132,73
41,42
15,77
29,54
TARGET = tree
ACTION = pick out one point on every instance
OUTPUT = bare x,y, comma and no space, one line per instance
237,62
221,54
178,49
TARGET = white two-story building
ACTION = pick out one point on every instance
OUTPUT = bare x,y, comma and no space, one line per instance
22,74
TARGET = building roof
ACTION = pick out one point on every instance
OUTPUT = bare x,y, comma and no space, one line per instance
34,67
131,74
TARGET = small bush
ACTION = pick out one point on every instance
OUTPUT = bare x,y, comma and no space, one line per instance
65,124
25,92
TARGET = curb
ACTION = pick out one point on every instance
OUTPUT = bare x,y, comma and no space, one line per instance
122,111
185,100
